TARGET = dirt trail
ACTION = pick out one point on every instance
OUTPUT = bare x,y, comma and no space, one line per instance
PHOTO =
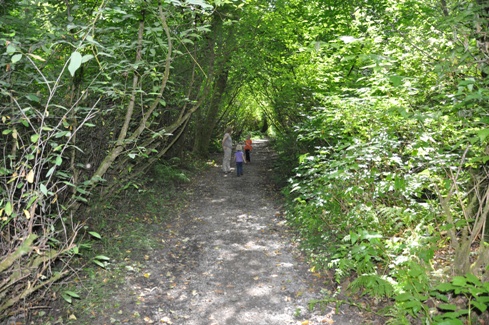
227,259
237,264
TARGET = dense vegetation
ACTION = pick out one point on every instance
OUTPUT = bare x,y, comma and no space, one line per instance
380,107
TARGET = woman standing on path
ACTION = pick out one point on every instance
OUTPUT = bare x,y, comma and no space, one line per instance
227,146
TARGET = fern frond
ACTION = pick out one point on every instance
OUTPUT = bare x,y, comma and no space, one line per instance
389,213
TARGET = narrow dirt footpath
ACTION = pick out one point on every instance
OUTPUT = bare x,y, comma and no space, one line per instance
235,263
227,259
244,271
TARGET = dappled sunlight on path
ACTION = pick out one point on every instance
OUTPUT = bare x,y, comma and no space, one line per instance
245,272
226,258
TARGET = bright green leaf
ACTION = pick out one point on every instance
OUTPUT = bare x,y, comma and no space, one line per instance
473,279
403,297
72,294
99,263
33,98
8,209
481,306
16,58
95,234
450,322
43,189
50,171
11,49
102,258
81,190
67,298
483,134
396,80
459,281
201,3
34,138
81,199
75,62
447,307
86,58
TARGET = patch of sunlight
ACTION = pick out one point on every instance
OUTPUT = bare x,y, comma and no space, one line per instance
218,201
259,290
286,265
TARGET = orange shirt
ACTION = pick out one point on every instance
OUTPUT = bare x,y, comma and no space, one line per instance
248,145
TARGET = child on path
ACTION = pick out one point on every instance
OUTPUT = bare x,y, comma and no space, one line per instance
248,147
240,159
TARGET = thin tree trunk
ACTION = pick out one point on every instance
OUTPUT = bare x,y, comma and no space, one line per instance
123,138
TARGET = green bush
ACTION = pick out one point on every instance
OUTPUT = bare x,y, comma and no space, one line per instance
169,173
369,205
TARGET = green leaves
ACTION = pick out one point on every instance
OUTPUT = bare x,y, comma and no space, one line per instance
11,49
16,58
33,97
201,3
101,260
8,209
482,134
76,60
374,285
95,234
475,292
34,138
69,295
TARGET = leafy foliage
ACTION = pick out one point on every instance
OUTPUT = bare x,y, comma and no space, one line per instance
475,292
378,108
387,170
81,107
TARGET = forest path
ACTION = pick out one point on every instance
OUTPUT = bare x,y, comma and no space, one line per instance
235,263
232,260
226,259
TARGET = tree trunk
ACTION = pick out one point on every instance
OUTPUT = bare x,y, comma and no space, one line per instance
123,138
206,128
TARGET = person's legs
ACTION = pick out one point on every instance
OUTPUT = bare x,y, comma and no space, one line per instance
239,168
226,161
248,155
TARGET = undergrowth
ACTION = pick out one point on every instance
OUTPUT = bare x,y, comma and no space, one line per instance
383,212
130,227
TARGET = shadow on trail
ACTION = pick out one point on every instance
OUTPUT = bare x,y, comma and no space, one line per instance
245,272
